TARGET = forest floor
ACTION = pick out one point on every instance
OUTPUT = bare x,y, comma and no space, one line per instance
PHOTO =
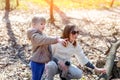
97,29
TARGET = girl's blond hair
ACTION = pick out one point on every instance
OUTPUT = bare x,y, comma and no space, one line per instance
37,19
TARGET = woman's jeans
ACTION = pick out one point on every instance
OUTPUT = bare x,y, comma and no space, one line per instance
52,70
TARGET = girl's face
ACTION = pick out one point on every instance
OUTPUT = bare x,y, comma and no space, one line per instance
73,34
41,26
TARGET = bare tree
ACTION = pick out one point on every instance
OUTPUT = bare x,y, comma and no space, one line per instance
51,12
7,5
7,9
112,2
17,2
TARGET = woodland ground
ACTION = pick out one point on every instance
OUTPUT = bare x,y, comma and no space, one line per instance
97,29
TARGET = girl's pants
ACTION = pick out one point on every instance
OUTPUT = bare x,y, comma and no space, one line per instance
37,70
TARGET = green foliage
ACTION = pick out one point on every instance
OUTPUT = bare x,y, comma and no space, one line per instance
2,4
13,4
68,4
87,4
39,2
22,5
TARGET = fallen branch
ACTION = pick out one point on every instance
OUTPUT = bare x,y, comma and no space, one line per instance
110,61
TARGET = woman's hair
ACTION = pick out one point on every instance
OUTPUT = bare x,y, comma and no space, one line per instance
67,30
38,19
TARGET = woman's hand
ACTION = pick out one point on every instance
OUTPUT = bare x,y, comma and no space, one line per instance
101,70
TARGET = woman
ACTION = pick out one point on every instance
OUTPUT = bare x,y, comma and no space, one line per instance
62,53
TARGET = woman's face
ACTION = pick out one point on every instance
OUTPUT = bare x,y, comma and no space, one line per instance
73,34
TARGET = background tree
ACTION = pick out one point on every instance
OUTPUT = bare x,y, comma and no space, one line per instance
7,9
7,5
51,11
112,2
17,2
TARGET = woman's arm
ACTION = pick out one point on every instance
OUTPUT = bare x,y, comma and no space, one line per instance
90,65
81,56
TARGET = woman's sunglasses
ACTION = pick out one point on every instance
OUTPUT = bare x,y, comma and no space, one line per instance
75,32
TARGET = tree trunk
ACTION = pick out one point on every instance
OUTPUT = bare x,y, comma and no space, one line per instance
110,61
17,2
51,12
7,9
112,3
7,5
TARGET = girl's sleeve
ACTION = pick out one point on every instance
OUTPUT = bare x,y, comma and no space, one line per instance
38,39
